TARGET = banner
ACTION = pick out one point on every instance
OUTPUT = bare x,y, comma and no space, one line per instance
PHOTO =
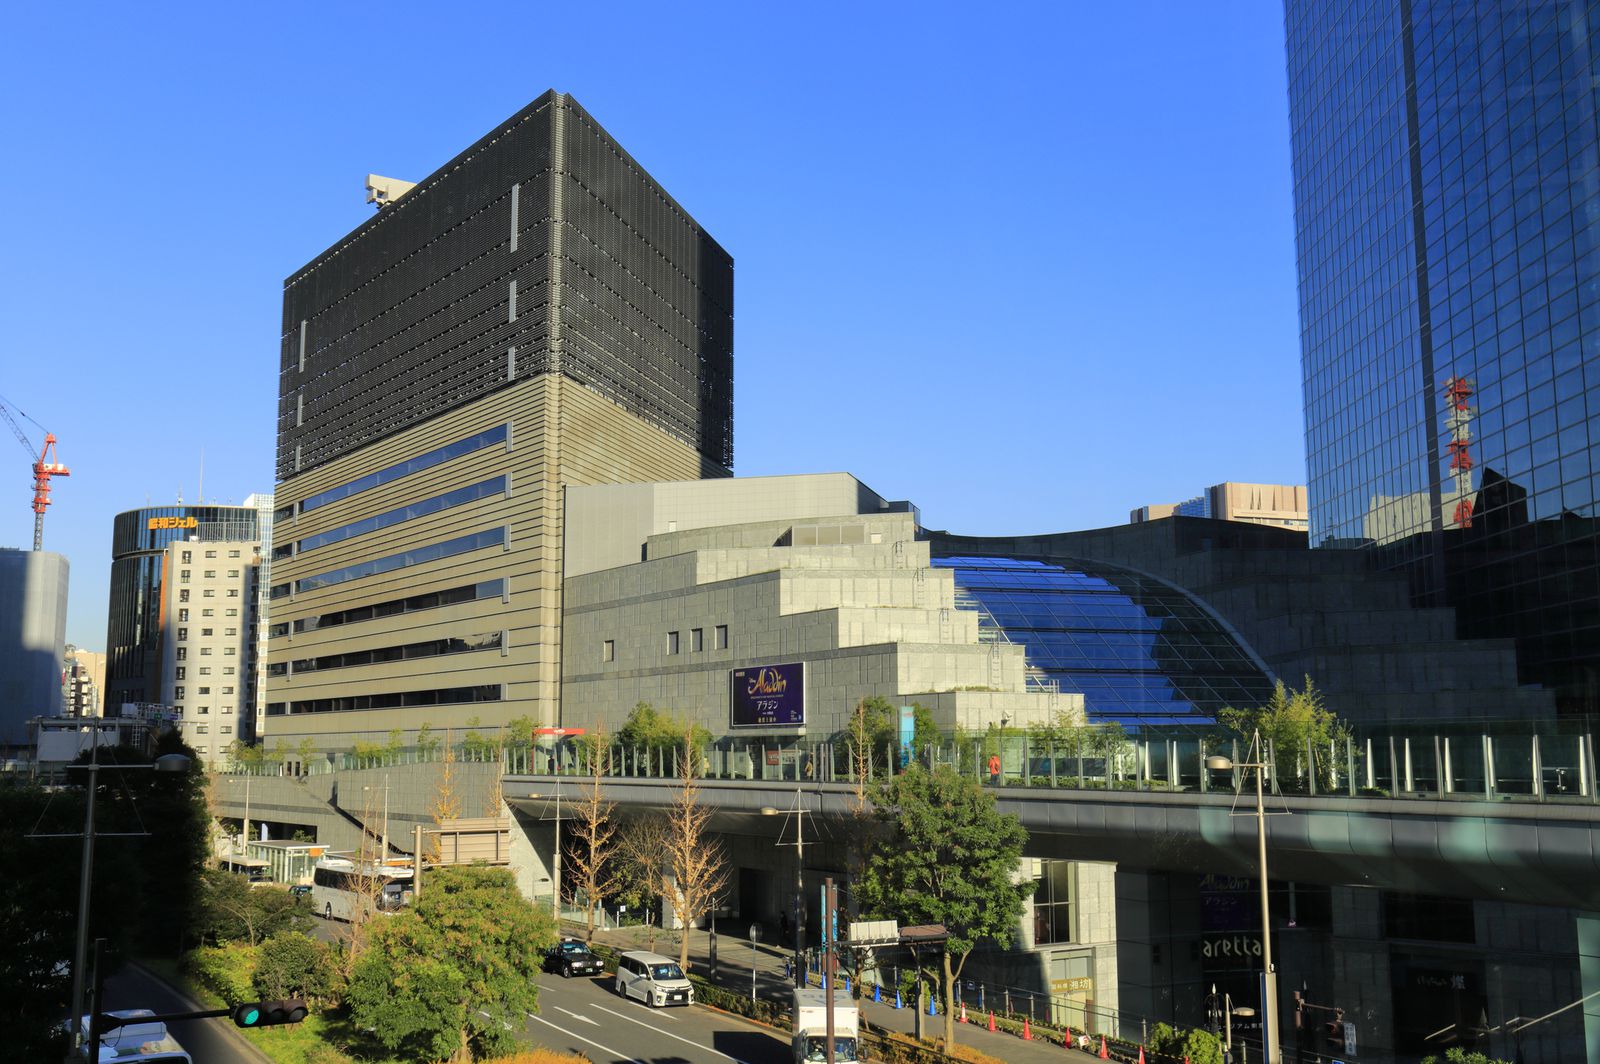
768,696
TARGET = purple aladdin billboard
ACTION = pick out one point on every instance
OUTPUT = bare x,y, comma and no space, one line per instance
769,696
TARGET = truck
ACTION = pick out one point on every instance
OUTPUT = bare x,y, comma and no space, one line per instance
811,1027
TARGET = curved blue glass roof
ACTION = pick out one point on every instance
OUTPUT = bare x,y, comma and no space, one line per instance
1139,651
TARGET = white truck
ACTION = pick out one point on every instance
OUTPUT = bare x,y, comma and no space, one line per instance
811,1027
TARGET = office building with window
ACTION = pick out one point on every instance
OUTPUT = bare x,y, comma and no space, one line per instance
1446,160
137,618
538,312
33,625
208,648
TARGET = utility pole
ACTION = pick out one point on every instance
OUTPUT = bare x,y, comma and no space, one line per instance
416,863
830,934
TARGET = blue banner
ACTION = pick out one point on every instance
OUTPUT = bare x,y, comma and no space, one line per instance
768,696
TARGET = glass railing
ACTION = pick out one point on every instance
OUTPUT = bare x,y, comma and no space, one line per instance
1512,762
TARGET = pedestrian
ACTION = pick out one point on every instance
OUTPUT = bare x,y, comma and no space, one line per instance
994,769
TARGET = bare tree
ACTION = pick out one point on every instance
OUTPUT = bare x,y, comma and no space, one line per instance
696,867
591,849
642,854
446,801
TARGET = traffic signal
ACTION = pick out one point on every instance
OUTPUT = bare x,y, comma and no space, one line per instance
269,1013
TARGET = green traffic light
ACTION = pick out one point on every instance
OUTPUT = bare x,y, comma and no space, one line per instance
251,1016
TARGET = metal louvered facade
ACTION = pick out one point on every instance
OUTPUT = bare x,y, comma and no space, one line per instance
543,248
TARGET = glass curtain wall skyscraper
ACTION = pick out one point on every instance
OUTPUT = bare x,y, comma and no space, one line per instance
1446,197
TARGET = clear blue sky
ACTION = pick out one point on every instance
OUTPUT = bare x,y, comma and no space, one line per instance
1028,268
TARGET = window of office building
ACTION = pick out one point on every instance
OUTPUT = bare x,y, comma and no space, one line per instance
721,637
697,640
1055,902
672,642
188,556
211,554
183,633
211,574
608,650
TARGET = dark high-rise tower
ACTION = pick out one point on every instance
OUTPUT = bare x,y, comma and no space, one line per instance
1447,191
537,312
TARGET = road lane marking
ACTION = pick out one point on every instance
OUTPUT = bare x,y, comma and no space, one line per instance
669,1034
590,1041
575,1016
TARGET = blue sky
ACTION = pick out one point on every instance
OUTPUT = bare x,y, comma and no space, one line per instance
1028,269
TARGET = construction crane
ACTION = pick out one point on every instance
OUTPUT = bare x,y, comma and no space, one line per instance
46,464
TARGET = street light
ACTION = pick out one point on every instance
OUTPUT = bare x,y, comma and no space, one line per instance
1269,977
799,881
164,763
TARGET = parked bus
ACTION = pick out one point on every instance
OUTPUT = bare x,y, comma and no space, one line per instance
340,887
252,868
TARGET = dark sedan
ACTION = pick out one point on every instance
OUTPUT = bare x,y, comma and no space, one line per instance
571,957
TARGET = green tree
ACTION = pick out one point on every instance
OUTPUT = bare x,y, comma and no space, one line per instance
1290,721
230,910
292,964
455,974
954,862
649,728
880,720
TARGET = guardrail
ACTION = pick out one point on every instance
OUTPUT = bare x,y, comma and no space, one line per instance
1533,765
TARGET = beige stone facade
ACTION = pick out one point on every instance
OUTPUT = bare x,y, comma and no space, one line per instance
1279,505
852,596
559,433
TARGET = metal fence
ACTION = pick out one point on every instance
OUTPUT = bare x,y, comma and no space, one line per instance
1543,765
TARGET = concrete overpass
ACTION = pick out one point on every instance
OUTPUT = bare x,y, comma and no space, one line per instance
1494,850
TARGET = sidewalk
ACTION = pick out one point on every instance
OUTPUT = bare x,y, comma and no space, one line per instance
735,956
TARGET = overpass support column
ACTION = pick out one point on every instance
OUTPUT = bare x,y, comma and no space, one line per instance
1589,982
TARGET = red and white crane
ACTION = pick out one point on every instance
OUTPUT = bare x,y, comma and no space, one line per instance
46,464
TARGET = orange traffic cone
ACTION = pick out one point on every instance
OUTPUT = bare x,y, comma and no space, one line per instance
1141,1055
991,1019
1027,1034
964,1016
1103,1054
1186,1058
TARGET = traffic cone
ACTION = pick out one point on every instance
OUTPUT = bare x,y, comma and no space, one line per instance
1141,1055
991,1020
1186,1058
964,1015
1027,1033
877,992
897,1002
1103,1054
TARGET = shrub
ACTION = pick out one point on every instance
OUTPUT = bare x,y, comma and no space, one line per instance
539,1055
224,970
290,964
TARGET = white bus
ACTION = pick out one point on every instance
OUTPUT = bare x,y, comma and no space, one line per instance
340,887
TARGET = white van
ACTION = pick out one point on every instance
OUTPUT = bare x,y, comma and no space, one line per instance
653,979
146,1041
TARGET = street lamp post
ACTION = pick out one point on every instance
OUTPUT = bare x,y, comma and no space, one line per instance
799,882
1269,977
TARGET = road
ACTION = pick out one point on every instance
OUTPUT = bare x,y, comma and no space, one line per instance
584,1016
207,1041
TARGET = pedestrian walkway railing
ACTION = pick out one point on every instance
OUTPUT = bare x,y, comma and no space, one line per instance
1548,764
